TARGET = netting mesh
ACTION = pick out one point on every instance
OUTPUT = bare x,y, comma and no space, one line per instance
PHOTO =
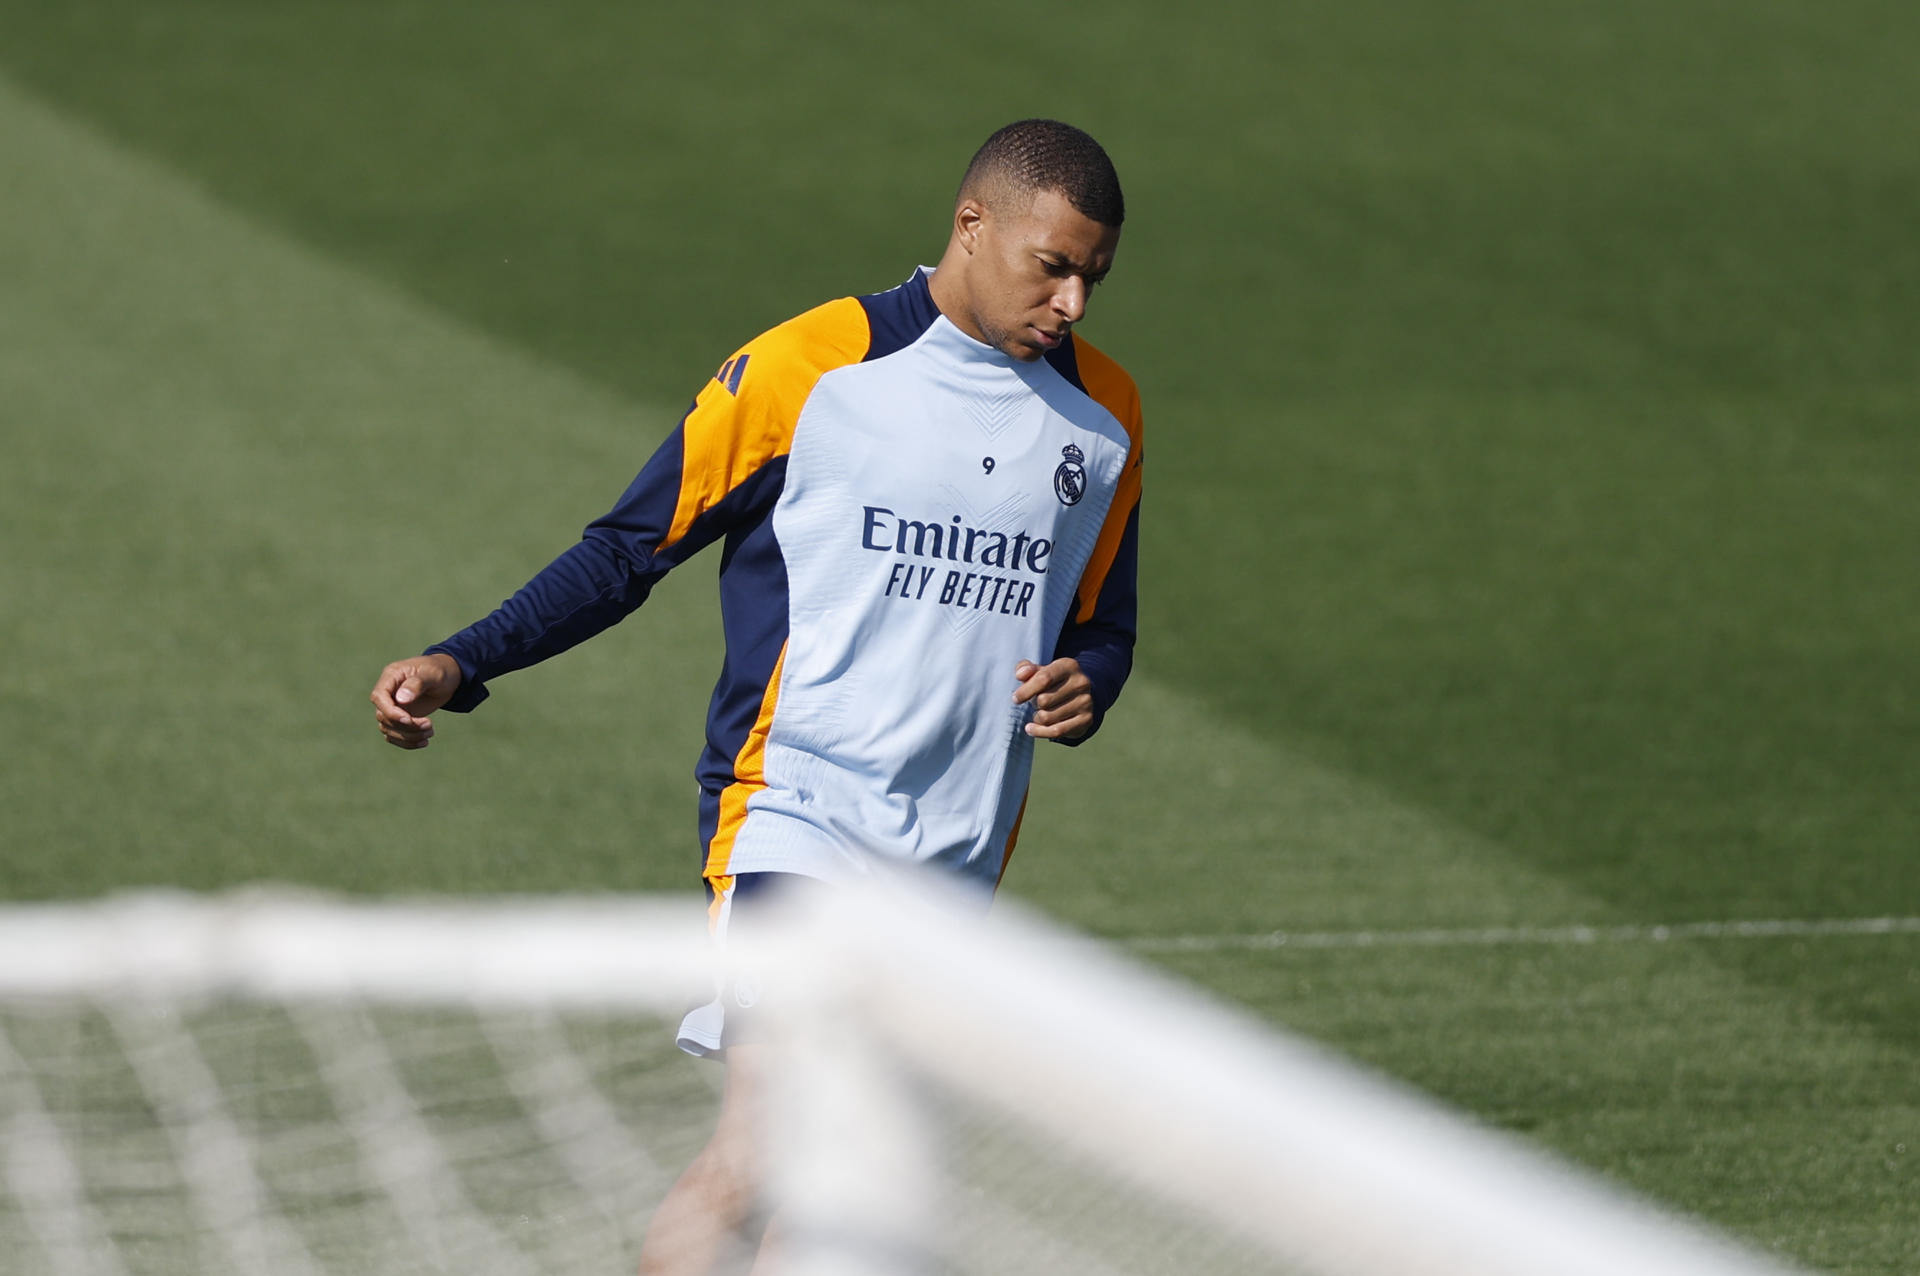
337,1138
250,1086
153,1140
1015,1201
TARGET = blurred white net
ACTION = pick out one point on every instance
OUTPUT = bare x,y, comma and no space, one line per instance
260,1084
335,1137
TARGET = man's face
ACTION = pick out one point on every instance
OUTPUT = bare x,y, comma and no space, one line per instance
1031,269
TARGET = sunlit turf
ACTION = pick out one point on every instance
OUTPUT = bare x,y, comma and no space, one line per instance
1530,521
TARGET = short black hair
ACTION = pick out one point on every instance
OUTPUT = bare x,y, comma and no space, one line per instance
1046,155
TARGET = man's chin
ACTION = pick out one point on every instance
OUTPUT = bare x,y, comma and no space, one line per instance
1025,348
1025,345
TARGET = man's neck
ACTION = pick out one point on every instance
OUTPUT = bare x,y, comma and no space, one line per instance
947,286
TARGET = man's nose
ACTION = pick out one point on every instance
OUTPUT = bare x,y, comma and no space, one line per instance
1070,299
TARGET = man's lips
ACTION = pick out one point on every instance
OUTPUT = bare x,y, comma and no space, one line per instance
1049,340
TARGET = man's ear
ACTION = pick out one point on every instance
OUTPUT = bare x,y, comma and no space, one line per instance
968,219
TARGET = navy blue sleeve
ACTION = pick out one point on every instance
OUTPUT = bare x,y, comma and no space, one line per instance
1103,643
592,586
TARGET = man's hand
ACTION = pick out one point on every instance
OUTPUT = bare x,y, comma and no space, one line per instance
407,691
1062,698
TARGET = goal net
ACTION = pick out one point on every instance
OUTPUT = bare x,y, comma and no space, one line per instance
262,1083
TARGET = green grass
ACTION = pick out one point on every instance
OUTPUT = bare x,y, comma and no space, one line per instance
1530,528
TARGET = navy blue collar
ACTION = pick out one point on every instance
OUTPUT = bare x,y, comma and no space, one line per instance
897,317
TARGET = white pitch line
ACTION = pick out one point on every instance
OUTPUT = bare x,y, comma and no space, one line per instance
1496,936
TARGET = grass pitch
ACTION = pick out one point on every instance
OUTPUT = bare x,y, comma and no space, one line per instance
1530,530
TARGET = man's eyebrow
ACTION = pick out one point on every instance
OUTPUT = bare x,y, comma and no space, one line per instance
1054,257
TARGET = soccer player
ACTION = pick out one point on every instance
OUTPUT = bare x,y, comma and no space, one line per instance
927,502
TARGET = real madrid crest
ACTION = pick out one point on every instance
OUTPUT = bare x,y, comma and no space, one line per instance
1070,480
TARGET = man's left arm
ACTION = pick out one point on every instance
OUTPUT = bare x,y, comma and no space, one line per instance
1073,692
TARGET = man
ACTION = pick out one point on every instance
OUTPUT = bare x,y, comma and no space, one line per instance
927,500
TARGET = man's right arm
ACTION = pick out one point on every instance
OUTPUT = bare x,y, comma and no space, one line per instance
721,468
596,583
407,691
593,585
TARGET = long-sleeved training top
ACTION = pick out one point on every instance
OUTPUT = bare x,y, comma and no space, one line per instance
905,514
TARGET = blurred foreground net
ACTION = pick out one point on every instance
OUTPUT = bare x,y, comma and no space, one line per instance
337,1137
255,1084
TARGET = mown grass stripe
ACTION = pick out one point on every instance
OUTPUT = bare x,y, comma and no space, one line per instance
1497,936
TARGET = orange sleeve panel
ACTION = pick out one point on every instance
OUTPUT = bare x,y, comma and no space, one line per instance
750,771
745,416
1108,384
